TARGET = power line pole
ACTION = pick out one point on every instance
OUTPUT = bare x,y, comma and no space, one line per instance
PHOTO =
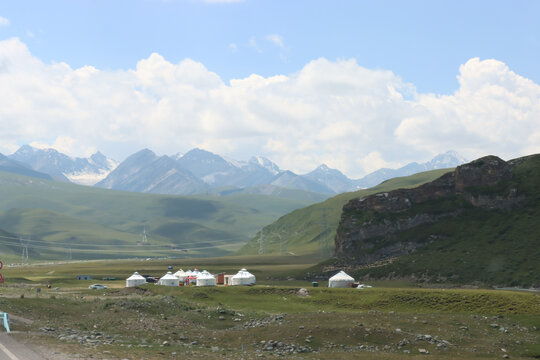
24,246
261,243
144,236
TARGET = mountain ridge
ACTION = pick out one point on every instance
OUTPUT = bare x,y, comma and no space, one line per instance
61,167
476,223
199,171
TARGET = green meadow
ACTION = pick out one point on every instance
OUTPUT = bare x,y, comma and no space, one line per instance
96,223
391,320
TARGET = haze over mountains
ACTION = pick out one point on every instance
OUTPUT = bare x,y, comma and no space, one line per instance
199,171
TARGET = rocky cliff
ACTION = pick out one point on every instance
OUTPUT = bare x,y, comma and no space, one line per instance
368,225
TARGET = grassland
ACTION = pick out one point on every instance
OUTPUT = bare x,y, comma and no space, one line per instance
98,223
154,322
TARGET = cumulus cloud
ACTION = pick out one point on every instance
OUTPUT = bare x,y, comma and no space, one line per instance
493,111
4,21
334,112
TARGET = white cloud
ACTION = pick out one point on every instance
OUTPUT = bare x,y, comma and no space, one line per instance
63,144
374,161
334,112
494,111
4,21
233,47
275,39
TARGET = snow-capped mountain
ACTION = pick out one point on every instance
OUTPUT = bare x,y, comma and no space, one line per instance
200,171
217,171
449,159
446,160
85,171
265,164
331,178
144,171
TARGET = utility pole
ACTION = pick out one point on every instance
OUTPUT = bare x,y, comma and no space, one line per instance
24,247
144,236
261,243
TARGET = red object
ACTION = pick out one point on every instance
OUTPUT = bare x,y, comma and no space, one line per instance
1,279
221,279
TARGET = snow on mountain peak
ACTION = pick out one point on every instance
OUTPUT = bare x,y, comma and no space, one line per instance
324,168
448,159
264,163
85,171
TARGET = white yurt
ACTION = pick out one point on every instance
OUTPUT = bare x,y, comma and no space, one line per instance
206,279
243,277
169,280
340,280
135,280
181,275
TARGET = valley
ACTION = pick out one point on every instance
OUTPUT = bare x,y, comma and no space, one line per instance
392,320
432,255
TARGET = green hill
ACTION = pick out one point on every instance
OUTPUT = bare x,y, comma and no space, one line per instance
480,224
66,220
311,230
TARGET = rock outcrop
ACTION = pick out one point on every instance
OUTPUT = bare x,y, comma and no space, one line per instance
377,217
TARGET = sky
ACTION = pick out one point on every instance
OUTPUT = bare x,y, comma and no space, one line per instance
356,85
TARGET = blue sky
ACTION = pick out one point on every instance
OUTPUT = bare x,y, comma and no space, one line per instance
354,84
424,42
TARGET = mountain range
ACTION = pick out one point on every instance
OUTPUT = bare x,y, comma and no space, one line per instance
84,171
202,172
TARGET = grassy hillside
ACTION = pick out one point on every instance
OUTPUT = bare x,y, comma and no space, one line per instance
311,230
268,319
489,246
98,223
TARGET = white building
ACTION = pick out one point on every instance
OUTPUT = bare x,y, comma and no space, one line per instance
340,280
169,280
135,280
206,279
243,277
181,275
